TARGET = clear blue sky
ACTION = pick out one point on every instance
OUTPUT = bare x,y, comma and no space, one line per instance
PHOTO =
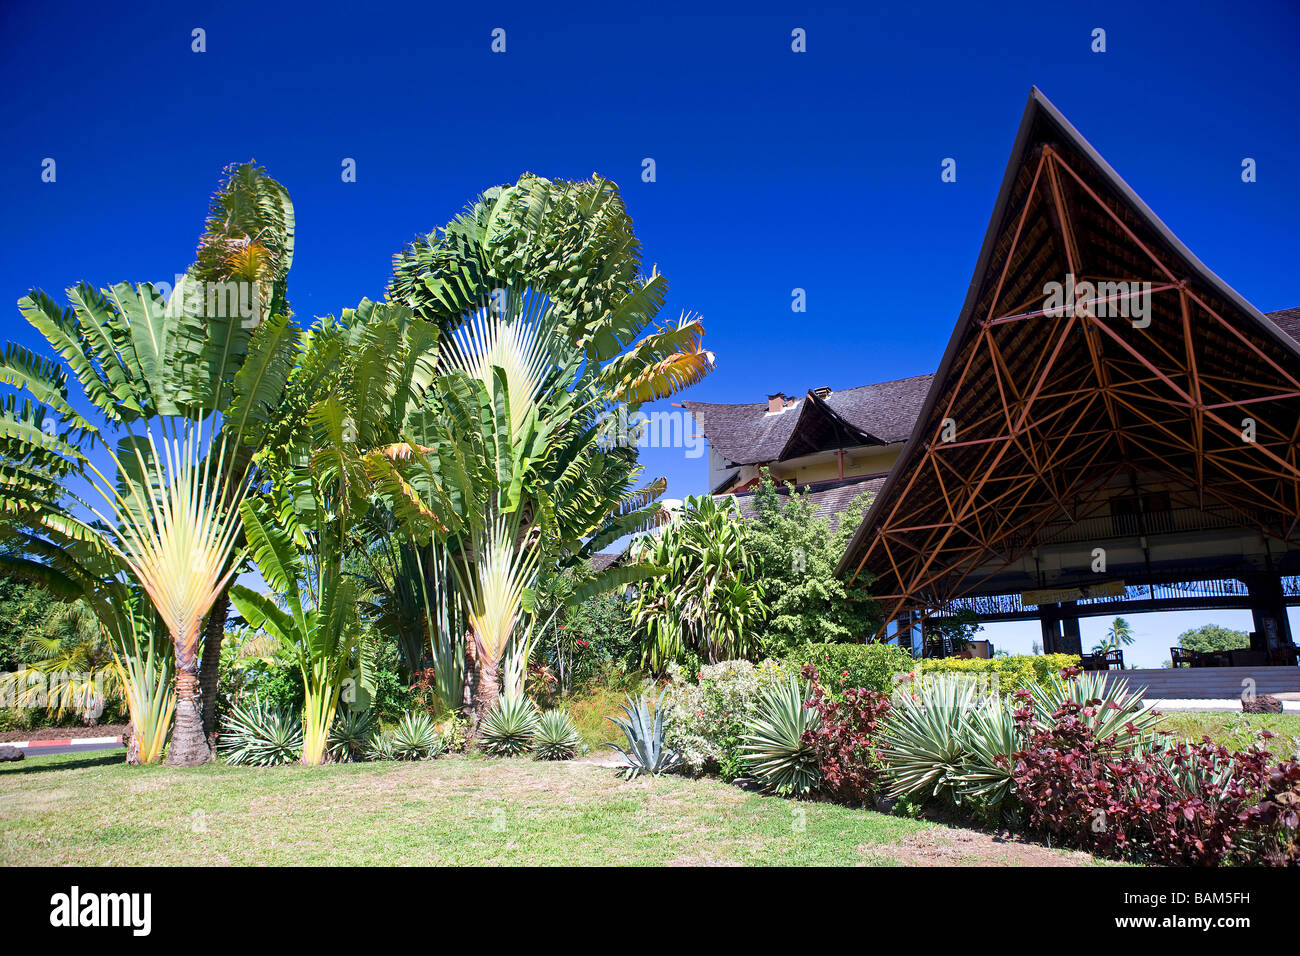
775,169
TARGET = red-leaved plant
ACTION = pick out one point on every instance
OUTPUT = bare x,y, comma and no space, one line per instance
1175,803
845,743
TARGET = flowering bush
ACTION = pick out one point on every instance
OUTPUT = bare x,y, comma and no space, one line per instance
708,721
1013,673
848,755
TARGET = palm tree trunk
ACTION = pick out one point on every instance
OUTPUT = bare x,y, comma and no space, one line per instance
487,689
189,746
209,671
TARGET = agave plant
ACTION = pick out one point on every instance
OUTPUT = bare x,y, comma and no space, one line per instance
557,738
992,737
773,746
350,735
925,740
260,735
510,728
1110,706
645,751
415,737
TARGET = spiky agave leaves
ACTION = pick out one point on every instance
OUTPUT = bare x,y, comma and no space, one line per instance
557,738
510,727
773,747
646,751
415,737
259,734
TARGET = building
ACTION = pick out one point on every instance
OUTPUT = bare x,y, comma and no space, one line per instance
1112,429
835,445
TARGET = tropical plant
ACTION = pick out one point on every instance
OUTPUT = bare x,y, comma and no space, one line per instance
709,601
1118,635
70,665
777,744
350,734
557,738
414,737
1107,706
510,727
646,751
257,734
297,536
924,738
185,389
847,739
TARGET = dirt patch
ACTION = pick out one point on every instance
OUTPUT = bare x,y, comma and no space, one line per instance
954,846
64,733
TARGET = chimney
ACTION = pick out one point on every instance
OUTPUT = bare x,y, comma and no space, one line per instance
822,392
775,403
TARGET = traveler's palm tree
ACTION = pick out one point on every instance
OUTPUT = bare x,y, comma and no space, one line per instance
183,394
298,537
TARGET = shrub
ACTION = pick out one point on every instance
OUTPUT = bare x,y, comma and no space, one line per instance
872,667
350,735
708,719
557,738
1013,673
414,737
258,734
1171,803
774,748
646,750
455,733
510,726
848,755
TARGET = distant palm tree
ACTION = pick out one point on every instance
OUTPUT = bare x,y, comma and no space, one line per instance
1118,635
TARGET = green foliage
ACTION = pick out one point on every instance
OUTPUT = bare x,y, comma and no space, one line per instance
414,737
510,727
709,600
1209,638
260,735
1110,710
23,606
1013,672
797,551
643,731
708,717
350,734
948,740
773,748
841,666
557,738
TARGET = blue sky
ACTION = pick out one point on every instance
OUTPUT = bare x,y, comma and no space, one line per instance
775,170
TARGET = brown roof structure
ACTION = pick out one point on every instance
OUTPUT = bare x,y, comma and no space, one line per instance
830,497
1038,413
877,414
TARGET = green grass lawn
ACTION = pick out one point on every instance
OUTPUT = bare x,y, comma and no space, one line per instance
1236,730
93,809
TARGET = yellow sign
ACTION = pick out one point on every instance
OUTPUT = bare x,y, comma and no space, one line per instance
1062,595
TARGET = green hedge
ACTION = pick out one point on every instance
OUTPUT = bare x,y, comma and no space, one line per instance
872,666
1014,672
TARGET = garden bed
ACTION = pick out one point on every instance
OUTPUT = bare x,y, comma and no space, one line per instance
62,733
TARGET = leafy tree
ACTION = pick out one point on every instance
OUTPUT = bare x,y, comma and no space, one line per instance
1210,638
23,606
797,551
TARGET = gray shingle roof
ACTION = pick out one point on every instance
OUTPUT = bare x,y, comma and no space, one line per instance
748,434
1288,320
830,497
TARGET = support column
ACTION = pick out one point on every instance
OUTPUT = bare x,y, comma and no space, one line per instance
1268,609
1071,642
1050,621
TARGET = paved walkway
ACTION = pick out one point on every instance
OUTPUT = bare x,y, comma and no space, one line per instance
1211,703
